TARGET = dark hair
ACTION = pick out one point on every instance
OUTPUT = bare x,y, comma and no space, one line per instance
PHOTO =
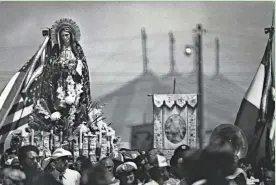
85,162
219,160
173,160
180,150
244,161
140,159
157,173
265,164
22,152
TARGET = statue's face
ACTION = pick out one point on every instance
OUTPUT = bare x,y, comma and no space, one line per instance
65,36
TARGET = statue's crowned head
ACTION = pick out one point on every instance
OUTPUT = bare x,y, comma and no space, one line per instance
65,36
65,31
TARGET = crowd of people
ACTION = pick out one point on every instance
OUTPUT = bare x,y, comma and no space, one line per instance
216,164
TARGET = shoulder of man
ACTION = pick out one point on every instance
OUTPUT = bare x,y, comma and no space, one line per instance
73,172
45,178
172,181
152,182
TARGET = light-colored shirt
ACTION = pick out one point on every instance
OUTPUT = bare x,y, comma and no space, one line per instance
152,182
71,177
172,181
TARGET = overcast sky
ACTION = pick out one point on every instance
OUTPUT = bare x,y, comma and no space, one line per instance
111,36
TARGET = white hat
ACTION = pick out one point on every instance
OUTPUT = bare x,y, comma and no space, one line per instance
45,162
60,152
126,167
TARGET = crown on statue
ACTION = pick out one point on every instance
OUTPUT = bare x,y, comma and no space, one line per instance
65,22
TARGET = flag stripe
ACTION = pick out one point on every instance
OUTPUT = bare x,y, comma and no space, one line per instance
20,105
247,118
9,101
13,125
255,91
22,113
7,89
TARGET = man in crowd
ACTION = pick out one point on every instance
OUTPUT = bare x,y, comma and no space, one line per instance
176,165
48,166
104,172
142,174
66,175
159,169
125,173
28,158
266,171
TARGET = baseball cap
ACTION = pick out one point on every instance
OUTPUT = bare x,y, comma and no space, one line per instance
158,161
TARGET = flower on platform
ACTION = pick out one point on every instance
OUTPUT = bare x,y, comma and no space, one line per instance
72,112
40,107
55,116
79,88
102,125
61,95
71,88
70,100
83,128
70,80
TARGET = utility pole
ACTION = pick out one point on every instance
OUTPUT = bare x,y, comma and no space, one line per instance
174,84
217,57
198,49
144,50
172,61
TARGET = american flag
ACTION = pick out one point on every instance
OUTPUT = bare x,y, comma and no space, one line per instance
15,107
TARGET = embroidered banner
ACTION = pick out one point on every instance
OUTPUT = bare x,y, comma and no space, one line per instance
174,118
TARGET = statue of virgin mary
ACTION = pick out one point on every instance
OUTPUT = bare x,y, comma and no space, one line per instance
65,90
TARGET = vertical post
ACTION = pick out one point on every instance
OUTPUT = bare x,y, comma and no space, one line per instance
144,50
144,118
195,64
217,57
172,61
174,83
198,47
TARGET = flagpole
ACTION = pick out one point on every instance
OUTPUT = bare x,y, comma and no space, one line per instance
263,116
198,46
